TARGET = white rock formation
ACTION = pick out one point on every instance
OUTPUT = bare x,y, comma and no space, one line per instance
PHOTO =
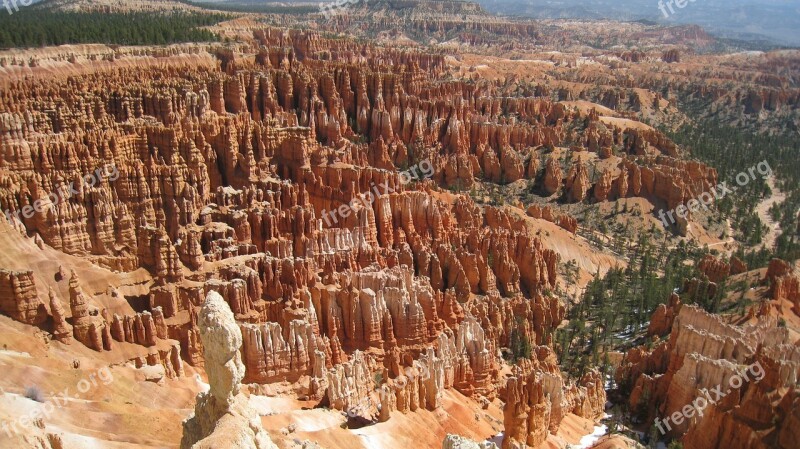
222,417
459,442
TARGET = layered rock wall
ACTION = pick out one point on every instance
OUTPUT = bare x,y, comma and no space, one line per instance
756,366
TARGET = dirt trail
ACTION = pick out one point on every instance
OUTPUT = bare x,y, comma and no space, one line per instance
730,242
773,228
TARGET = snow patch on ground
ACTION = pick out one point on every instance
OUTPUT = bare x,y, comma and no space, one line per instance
589,440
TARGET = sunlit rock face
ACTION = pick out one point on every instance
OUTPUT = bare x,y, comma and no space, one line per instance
222,416
295,209
755,366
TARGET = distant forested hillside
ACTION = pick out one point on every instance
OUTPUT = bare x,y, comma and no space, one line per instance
36,27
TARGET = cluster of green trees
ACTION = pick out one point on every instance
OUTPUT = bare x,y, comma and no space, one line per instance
754,257
615,309
36,27
735,150
519,345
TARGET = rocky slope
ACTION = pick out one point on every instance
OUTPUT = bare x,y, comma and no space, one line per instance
750,370
224,180
316,187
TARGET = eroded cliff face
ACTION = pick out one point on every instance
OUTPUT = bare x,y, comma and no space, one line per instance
19,299
215,129
784,283
702,354
537,398
235,172
273,180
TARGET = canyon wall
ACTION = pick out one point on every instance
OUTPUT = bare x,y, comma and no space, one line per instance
755,366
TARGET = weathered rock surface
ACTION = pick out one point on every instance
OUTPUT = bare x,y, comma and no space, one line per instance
18,297
230,168
223,416
537,398
88,327
756,366
784,283
268,173
546,213
459,442
62,331
716,270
